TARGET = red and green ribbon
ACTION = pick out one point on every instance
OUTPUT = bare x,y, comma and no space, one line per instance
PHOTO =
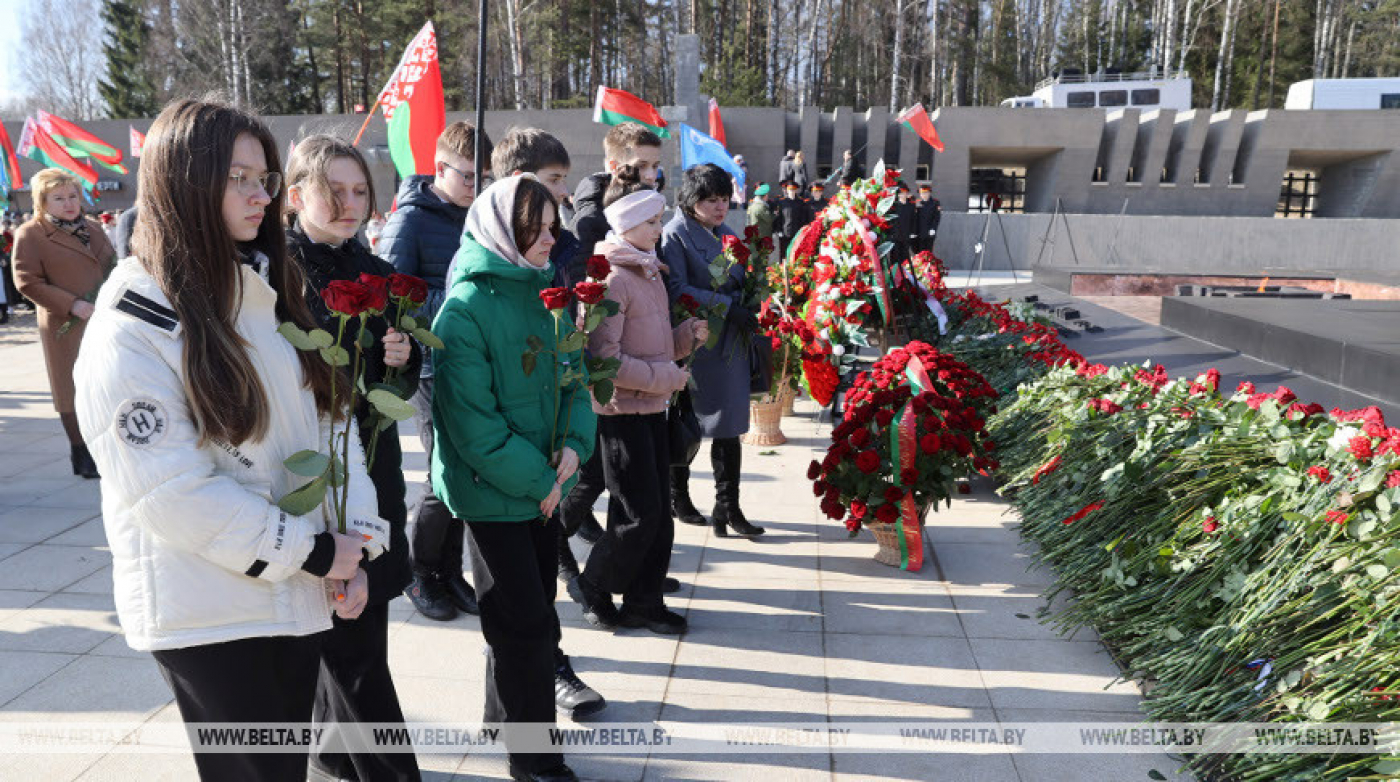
884,300
904,444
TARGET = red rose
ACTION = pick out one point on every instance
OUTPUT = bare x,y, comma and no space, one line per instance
929,444
379,291
735,247
1210,525
408,286
814,470
590,292
858,509
964,488
860,438
887,513
884,417
599,268
909,476
893,494
819,488
867,461
556,298
346,298
751,232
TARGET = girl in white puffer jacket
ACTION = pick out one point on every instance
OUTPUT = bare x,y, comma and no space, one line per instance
190,400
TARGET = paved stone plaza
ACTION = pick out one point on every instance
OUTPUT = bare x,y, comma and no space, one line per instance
800,626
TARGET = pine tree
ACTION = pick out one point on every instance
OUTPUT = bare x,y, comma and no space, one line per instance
127,88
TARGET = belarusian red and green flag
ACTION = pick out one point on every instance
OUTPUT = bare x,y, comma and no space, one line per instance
413,105
80,143
615,107
36,144
9,166
916,119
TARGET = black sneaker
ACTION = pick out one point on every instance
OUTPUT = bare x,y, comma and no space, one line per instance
461,594
572,697
560,773
657,619
598,607
589,530
429,595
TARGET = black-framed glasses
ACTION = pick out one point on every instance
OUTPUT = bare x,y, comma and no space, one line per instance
269,182
486,179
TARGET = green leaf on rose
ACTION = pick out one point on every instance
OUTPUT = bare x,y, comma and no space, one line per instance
407,323
366,339
528,360
603,391
336,356
321,338
308,463
299,339
428,338
305,499
1377,570
594,319
573,343
536,344
390,404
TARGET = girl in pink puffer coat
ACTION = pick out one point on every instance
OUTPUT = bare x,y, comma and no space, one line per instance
634,553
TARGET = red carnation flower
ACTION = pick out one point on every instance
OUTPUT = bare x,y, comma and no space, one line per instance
1337,517
1392,481
867,461
1322,474
599,269
346,297
408,286
1245,388
590,292
1360,447
556,298
1210,525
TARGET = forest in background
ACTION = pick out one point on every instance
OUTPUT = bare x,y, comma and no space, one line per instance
318,56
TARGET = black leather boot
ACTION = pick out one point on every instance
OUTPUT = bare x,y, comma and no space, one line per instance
568,564
726,455
83,465
682,509
429,595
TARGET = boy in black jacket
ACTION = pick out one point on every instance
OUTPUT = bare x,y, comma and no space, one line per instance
630,143
420,239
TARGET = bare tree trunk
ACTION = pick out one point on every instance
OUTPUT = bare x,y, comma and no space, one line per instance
1221,62
772,51
517,58
898,50
1346,60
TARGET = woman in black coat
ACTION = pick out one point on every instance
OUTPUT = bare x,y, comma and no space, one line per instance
329,195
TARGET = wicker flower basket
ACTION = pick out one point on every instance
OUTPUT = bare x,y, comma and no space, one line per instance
765,423
887,536
789,400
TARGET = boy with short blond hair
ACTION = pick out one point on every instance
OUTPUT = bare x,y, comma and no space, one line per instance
630,143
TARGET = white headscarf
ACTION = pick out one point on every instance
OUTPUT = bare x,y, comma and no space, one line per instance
489,219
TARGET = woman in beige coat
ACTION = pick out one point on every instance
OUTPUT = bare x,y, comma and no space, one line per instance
60,260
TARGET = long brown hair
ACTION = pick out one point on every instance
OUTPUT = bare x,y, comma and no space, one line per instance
527,218
182,240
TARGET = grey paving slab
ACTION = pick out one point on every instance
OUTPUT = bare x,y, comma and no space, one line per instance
23,670
885,608
95,689
45,568
1007,612
904,669
89,533
981,564
754,603
35,525
68,623
740,662
1052,675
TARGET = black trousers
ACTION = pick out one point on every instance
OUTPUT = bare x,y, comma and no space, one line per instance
634,553
589,488
513,565
248,680
355,686
435,536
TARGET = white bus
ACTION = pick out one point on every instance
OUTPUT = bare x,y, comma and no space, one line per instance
1071,89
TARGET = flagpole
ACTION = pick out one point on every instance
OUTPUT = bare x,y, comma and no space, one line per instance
372,110
480,152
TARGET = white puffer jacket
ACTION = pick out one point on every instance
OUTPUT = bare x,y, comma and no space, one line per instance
201,552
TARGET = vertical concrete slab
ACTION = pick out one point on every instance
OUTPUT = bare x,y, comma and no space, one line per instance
1184,155
877,124
1344,188
1124,140
811,119
842,132
1222,142
909,146
1154,134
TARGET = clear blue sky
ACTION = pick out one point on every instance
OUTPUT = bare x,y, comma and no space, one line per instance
12,11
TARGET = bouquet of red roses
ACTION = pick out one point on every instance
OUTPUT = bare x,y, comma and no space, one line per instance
913,425
352,303
749,253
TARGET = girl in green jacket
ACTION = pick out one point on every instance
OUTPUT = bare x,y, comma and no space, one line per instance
510,438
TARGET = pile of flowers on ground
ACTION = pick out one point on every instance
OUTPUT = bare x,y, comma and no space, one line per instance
1239,552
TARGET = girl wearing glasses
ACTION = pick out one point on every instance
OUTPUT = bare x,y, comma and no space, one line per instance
329,196
190,401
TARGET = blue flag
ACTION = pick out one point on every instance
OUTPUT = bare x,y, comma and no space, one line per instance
698,148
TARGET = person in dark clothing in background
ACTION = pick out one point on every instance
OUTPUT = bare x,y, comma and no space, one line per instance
125,225
904,227
420,239
630,144
793,213
851,168
816,199
329,195
930,215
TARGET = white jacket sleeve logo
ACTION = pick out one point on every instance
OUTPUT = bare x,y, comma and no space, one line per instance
141,422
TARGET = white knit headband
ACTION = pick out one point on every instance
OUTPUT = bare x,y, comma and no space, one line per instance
632,210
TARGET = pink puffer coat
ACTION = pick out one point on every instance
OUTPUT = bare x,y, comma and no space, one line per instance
640,334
